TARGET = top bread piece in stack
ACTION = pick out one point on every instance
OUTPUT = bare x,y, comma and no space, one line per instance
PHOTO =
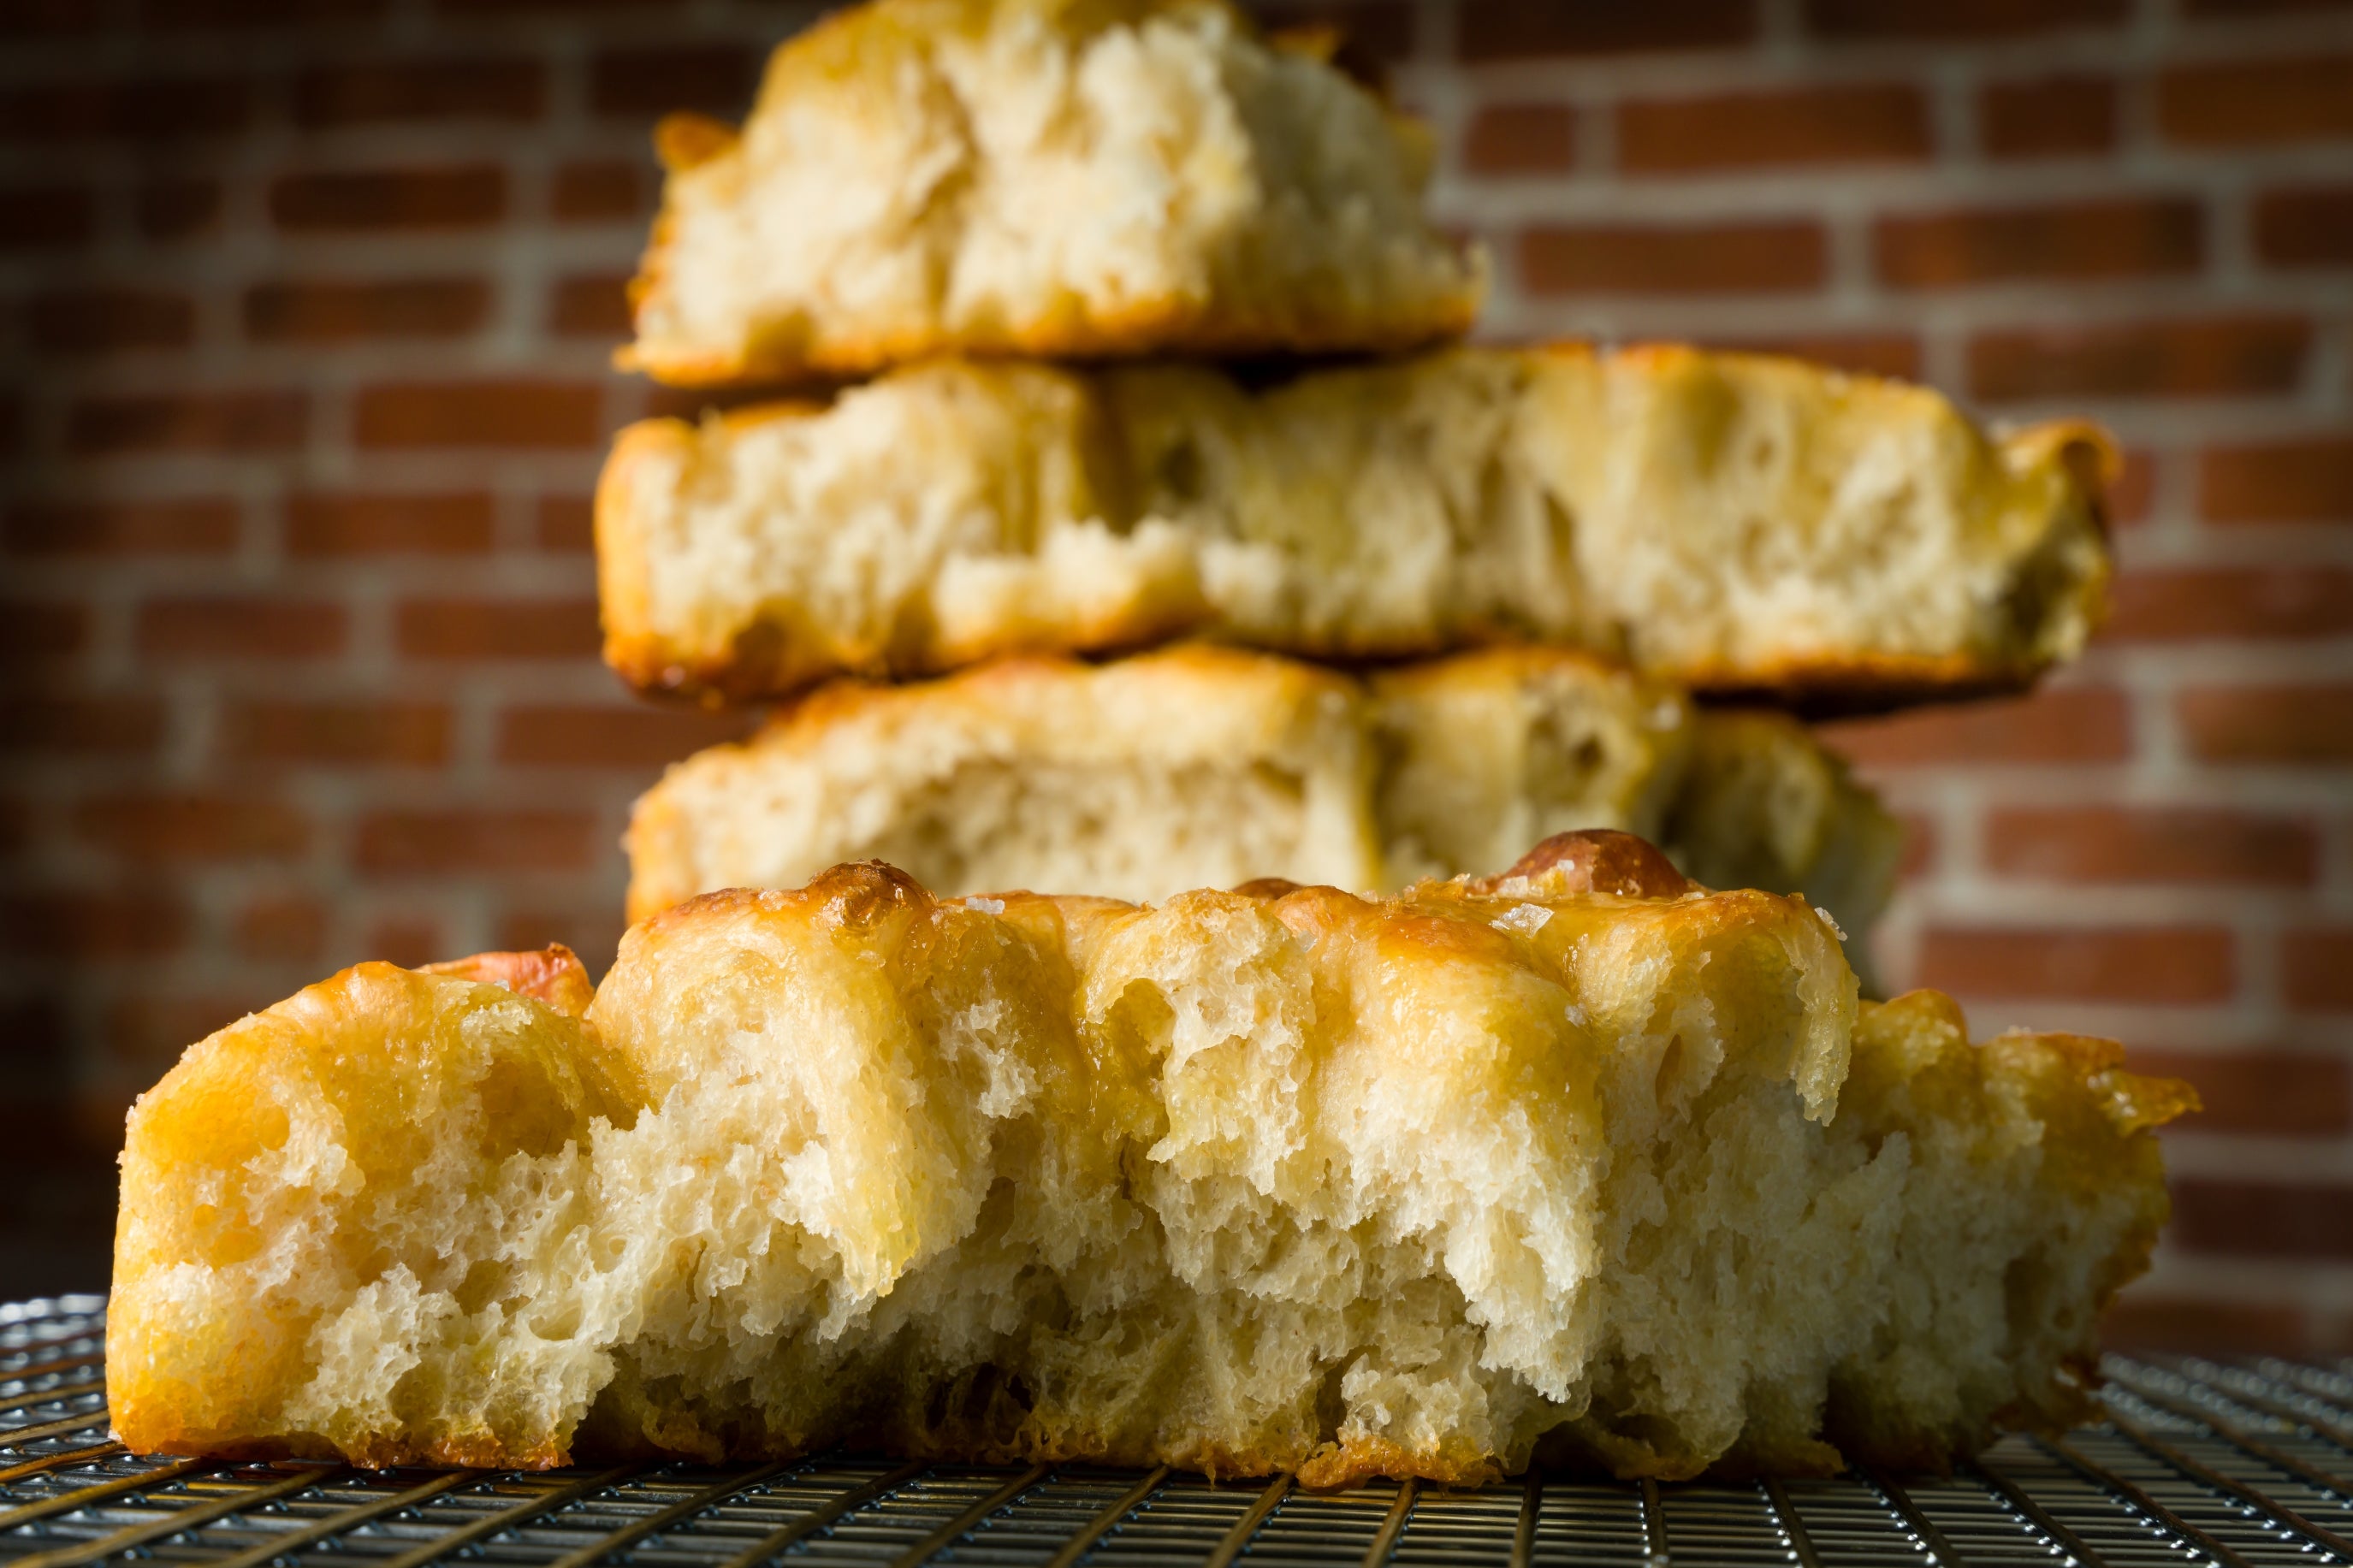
1735,522
1060,178
1277,1179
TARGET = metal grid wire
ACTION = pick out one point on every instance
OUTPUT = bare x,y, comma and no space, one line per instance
2246,1464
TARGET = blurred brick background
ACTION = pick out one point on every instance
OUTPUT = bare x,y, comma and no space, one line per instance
306,304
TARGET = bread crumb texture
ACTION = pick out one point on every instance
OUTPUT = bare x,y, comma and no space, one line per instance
1280,1179
1043,177
1202,766
1738,523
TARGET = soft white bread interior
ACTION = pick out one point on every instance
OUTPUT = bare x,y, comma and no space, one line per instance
1046,177
1736,523
1765,805
1191,767
1200,767
1273,1179
1481,754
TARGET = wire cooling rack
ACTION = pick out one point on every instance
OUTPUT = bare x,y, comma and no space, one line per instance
2198,1461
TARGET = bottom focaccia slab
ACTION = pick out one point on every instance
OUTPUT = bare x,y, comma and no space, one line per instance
1281,1178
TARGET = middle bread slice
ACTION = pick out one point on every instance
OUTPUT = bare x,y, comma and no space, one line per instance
1733,522
1205,766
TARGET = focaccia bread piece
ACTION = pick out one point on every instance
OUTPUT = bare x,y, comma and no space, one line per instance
341,1210
1275,1179
1060,178
1199,766
1484,752
1765,805
1738,523
1191,767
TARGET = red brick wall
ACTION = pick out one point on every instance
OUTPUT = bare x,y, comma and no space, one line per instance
307,305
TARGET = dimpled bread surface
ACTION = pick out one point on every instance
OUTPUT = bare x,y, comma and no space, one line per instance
1576,1161
1055,178
1203,766
1738,523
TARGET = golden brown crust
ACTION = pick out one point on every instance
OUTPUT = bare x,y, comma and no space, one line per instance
765,665
1191,663
553,974
375,1453
686,141
1171,323
1859,686
1590,860
761,665
623,592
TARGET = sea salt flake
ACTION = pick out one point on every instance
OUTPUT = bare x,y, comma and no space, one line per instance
1525,918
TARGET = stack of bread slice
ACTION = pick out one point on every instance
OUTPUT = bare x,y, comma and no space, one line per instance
1113,1011
1094,270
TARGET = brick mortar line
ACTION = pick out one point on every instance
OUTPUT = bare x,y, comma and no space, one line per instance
2219,418
2249,1281
2318,1161
1895,187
